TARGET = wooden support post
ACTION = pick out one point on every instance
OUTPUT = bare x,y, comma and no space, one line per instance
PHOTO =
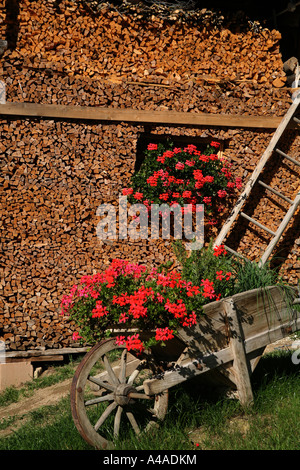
241,367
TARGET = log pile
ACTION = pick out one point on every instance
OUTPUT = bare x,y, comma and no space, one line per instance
56,173
68,56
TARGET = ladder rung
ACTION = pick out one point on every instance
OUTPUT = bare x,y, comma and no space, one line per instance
287,156
275,192
257,223
234,252
281,228
296,120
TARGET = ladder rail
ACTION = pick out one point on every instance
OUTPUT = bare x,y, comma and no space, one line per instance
265,157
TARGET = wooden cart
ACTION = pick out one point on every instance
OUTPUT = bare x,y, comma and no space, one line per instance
113,388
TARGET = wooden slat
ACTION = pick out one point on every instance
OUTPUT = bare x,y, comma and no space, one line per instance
132,115
239,255
264,308
187,370
272,335
209,334
257,223
53,358
31,354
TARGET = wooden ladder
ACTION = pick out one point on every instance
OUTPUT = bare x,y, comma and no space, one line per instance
237,210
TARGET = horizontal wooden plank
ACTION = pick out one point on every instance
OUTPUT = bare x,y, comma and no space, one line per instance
32,353
142,116
272,335
53,358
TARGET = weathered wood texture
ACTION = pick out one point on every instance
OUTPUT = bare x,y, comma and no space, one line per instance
90,113
56,172
251,320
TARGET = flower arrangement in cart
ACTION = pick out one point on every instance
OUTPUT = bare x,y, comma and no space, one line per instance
130,296
184,176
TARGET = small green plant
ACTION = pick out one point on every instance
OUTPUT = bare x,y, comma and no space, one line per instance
240,274
252,275
208,263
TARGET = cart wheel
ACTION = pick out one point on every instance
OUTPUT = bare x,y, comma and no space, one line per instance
107,395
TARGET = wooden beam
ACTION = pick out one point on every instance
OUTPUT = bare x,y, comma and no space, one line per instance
55,358
32,353
51,111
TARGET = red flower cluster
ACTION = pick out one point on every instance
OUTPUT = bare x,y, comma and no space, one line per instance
99,311
132,343
184,176
163,334
219,250
129,294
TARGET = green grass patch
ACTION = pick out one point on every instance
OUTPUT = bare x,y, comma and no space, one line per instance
198,418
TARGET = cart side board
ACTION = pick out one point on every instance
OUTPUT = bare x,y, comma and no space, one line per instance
245,324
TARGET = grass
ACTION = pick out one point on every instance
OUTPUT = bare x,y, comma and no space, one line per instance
198,418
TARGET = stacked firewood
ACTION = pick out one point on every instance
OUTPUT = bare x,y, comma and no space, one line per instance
55,173
66,55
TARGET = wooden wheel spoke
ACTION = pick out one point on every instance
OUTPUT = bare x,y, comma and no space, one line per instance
140,396
105,415
133,422
122,376
110,371
94,401
135,373
102,384
133,376
117,421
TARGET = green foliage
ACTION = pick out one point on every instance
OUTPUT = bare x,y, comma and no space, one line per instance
205,264
245,274
251,275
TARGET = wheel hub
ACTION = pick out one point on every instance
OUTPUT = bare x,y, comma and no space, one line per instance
121,394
